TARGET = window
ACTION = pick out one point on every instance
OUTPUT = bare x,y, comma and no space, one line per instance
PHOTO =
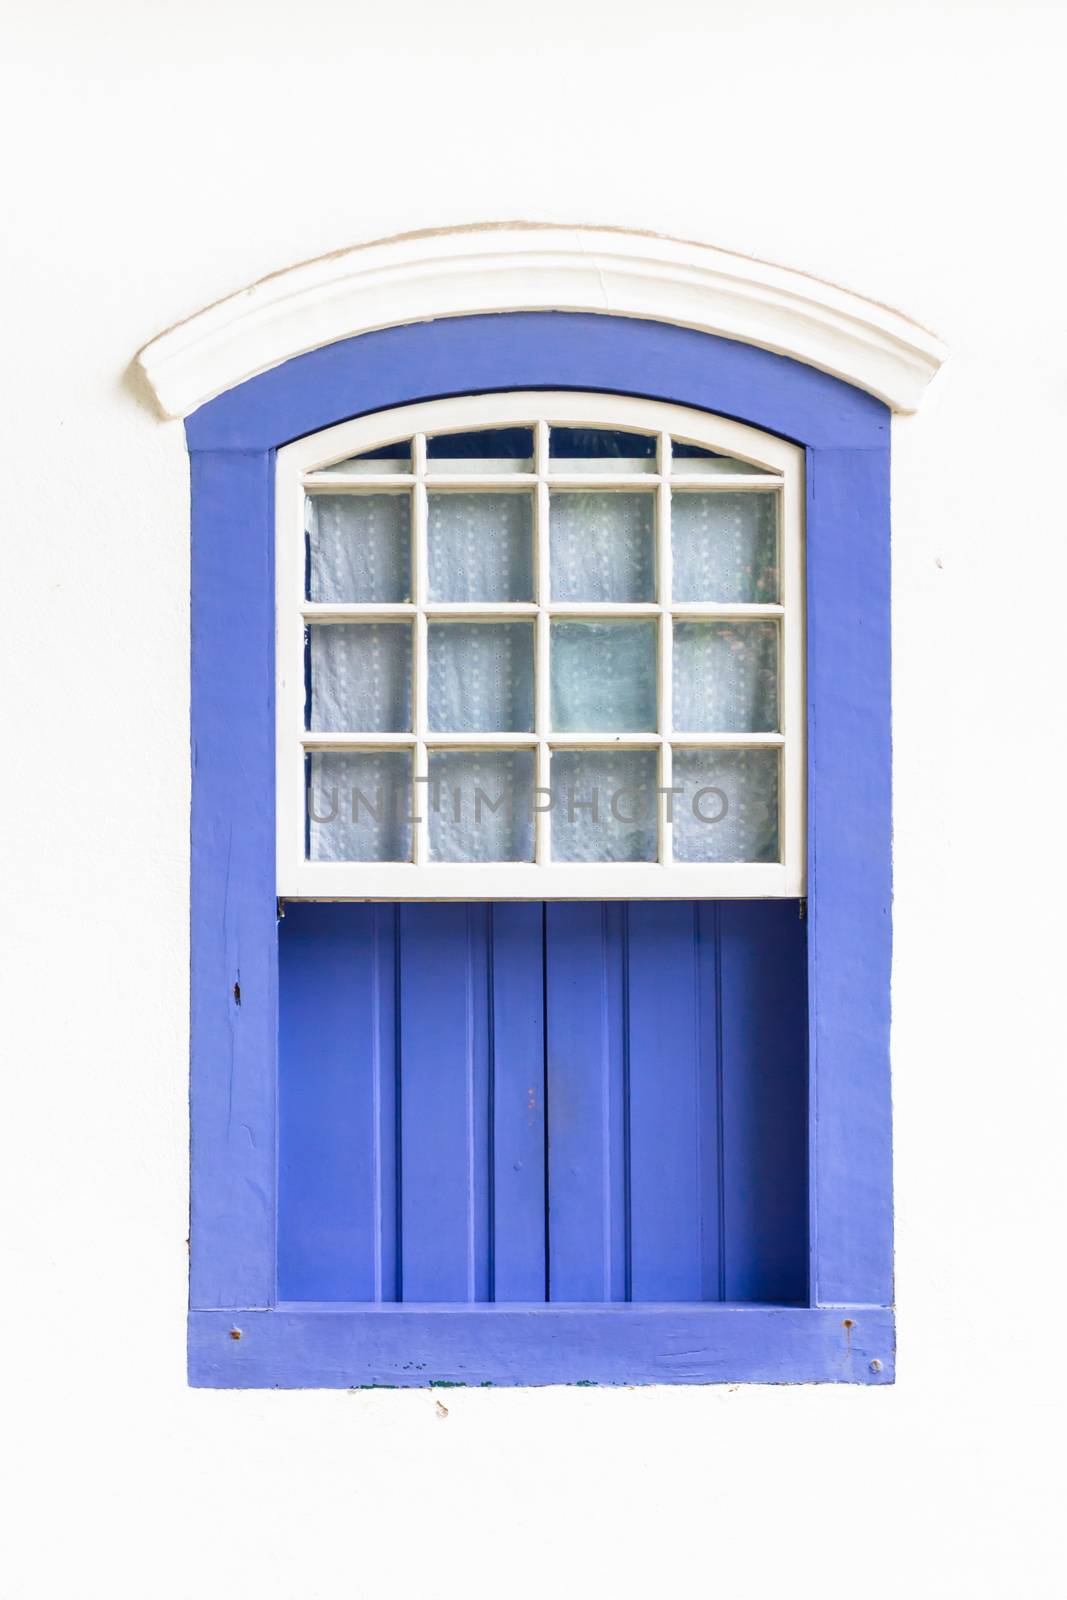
540,645
382,1191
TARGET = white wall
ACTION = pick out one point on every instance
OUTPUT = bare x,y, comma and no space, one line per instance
158,157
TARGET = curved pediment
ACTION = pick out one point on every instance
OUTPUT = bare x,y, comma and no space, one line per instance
533,267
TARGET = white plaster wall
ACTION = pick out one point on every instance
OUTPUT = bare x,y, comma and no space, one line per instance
157,157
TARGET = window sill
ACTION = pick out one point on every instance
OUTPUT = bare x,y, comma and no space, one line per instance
342,1346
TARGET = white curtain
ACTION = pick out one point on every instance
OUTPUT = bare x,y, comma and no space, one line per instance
358,547
360,677
603,546
724,547
481,677
480,546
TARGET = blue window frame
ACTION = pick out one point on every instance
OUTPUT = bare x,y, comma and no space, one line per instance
822,1310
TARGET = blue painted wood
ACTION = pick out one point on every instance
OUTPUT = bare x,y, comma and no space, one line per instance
762,987
676,1082
539,350
850,842
337,1109
233,923
233,1010
674,1188
444,1095
413,1346
517,1113
586,1068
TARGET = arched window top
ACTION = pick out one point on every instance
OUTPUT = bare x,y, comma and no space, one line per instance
524,266
539,645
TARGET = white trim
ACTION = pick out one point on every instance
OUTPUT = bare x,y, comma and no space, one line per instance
531,267
783,466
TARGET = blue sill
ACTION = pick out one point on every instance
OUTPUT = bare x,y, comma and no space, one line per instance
416,1346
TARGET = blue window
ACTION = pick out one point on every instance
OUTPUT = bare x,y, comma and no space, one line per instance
549,1096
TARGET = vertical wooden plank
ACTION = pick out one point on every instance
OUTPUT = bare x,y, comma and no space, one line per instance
444,1083
588,1188
337,1114
674,1200
763,999
850,874
233,911
517,1113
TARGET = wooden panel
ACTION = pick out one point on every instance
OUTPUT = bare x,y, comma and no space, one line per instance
337,1104
665,1099
444,1095
233,911
586,1075
672,1012
517,1109
762,988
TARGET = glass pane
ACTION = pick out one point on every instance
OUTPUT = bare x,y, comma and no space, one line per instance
603,546
488,450
481,677
601,450
359,677
725,547
726,677
728,806
358,547
481,805
480,546
604,805
358,805
694,460
603,677
386,459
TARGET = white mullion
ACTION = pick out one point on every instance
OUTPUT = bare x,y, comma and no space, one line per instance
357,741
478,480
357,610
728,741
604,608
714,481
725,609
481,741
364,482
542,643
603,480
420,806
476,609
605,741
665,656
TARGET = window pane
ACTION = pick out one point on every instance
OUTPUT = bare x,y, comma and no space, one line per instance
604,805
728,806
386,459
480,546
726,677
359,547
603,677
488,450
601,450
358,805
481,677
603,547
694,460
359,677
725,547
484,805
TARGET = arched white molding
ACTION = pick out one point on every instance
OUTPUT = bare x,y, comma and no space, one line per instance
533,267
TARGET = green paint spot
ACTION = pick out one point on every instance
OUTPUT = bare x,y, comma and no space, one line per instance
445,1383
